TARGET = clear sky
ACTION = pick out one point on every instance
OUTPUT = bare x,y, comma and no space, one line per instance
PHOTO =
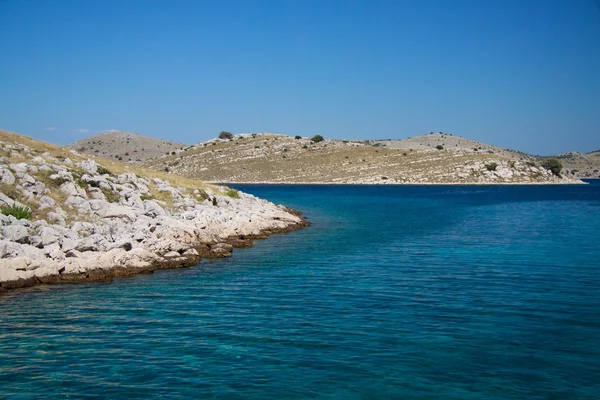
523,74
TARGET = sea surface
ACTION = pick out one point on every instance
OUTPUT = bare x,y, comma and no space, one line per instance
394,292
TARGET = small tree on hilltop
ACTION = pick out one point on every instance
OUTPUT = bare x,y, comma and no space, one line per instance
225,135
553,165
317,138
298,137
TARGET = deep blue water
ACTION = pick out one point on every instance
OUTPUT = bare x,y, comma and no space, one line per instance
410,292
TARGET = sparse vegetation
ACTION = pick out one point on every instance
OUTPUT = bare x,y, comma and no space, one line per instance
103,171
225,135
44,177
317,138
298,137
439,147
491,166
203,195
111,197
234,194
19,212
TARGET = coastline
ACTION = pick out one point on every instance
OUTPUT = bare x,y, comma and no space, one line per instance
66,218
191,257
384,183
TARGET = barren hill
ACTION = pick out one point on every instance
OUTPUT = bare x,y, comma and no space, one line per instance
581,165
125,146
448,142
434,158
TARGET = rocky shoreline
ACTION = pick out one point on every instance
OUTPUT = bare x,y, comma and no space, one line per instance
88,224
189,258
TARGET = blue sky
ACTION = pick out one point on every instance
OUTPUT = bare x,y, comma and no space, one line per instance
523,74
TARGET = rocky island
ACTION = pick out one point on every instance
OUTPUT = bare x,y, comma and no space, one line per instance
68,218
436,158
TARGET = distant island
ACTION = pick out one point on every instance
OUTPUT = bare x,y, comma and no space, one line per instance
120,203
434,158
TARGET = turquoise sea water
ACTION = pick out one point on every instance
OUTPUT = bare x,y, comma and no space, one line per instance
453,292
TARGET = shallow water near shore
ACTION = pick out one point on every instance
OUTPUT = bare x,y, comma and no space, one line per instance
394,292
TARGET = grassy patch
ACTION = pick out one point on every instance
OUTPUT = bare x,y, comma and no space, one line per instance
19,212
203,194
234,194
10,190
44,177
111,196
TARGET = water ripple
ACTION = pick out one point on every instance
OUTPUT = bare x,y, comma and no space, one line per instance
394,293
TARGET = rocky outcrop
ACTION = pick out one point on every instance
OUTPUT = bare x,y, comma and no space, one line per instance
91,225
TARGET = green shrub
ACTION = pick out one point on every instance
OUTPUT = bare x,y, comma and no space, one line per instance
203,195
317,138
439,147
491,166
234,194
298,137
225,135
553,165
17,211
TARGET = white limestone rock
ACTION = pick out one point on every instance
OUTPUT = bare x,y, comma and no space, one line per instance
16,233
117,211
49,236
90,166
72,189
6,176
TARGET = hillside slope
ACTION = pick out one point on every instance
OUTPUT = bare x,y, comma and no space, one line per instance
251,158
581,165
125,146
449,142
68,218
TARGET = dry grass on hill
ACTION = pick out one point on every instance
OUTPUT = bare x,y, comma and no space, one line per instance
126,146
112,165
284,159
